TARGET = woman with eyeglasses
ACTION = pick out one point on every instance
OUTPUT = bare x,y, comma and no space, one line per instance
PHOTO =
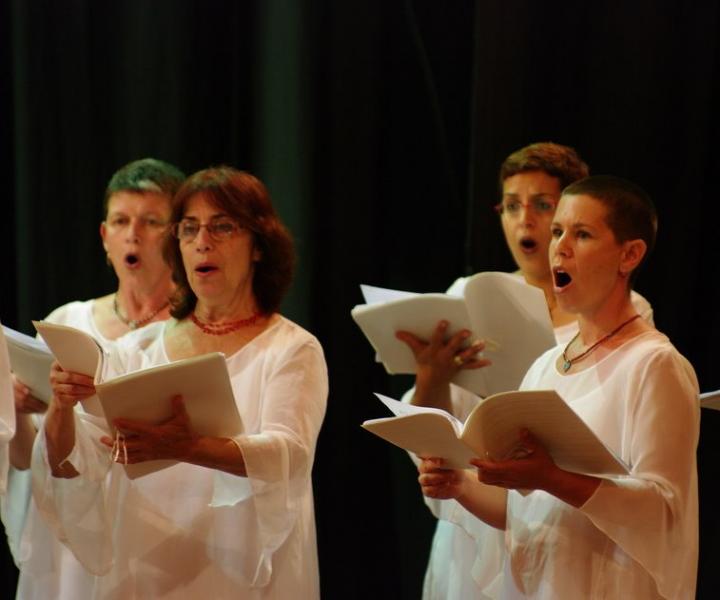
234,518
138,203
569,535
465,559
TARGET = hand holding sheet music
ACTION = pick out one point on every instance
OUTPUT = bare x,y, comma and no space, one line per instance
492,430
146,395
496,307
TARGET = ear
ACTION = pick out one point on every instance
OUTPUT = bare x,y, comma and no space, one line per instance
256,255
632,254
103,233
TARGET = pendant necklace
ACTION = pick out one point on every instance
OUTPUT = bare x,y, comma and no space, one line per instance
569,362
135,323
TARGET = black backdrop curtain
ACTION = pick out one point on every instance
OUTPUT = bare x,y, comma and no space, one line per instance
378,127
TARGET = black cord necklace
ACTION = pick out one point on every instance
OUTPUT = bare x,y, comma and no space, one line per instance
135,323
569,362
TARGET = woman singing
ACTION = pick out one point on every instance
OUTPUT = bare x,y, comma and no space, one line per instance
234,518
577,536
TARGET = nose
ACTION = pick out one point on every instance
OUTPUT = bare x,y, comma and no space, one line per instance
203,240
561,246
526,215
133,230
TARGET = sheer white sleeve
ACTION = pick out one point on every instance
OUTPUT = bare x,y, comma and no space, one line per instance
652,515
278,449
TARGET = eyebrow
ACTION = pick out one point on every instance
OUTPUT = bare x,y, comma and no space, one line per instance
126,214
215,216
535,195
573,226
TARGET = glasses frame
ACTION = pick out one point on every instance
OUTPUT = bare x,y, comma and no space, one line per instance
175,229
499,208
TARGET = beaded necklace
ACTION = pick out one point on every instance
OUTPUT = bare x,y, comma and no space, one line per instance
135,323
224,328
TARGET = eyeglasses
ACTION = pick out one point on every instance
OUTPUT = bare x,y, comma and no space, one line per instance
541,206
219,228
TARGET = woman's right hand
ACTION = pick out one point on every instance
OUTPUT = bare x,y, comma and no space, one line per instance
25,402
68,387
438,361
439,482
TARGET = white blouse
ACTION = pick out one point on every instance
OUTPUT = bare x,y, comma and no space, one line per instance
7,413
192,532
637,536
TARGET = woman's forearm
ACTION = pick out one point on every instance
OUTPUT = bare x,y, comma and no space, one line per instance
488,503
222,454
435,395
22,442
573,488
60,438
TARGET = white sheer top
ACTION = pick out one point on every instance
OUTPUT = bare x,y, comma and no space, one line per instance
191,532
637,536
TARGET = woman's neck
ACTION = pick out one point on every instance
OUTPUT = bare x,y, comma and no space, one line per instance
558,316
220,312
596,323
138,301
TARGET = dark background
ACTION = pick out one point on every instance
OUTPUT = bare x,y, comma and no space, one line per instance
378,126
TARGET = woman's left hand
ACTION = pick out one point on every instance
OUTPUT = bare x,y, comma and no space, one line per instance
528,466
138,441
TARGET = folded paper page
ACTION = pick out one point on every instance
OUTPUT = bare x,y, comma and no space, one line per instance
30,360
511,316
492,429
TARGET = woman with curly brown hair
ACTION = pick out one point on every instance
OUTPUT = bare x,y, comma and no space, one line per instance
234,518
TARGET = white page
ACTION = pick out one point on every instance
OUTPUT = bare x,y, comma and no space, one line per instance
76,351
494,427
145,395
513,317
379,295
710,400
30,359
7,408
423,431
419,315
399,409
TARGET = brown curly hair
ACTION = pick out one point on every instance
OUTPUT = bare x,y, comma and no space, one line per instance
245,198
561,162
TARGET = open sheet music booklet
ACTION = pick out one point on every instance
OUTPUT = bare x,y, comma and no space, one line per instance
510,315
30,360
145,395
492,429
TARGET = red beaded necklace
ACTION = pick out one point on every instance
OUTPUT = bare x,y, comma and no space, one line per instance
223,328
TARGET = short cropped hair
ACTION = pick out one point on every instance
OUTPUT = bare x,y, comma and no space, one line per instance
145,175
244,198
561,162
631,214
